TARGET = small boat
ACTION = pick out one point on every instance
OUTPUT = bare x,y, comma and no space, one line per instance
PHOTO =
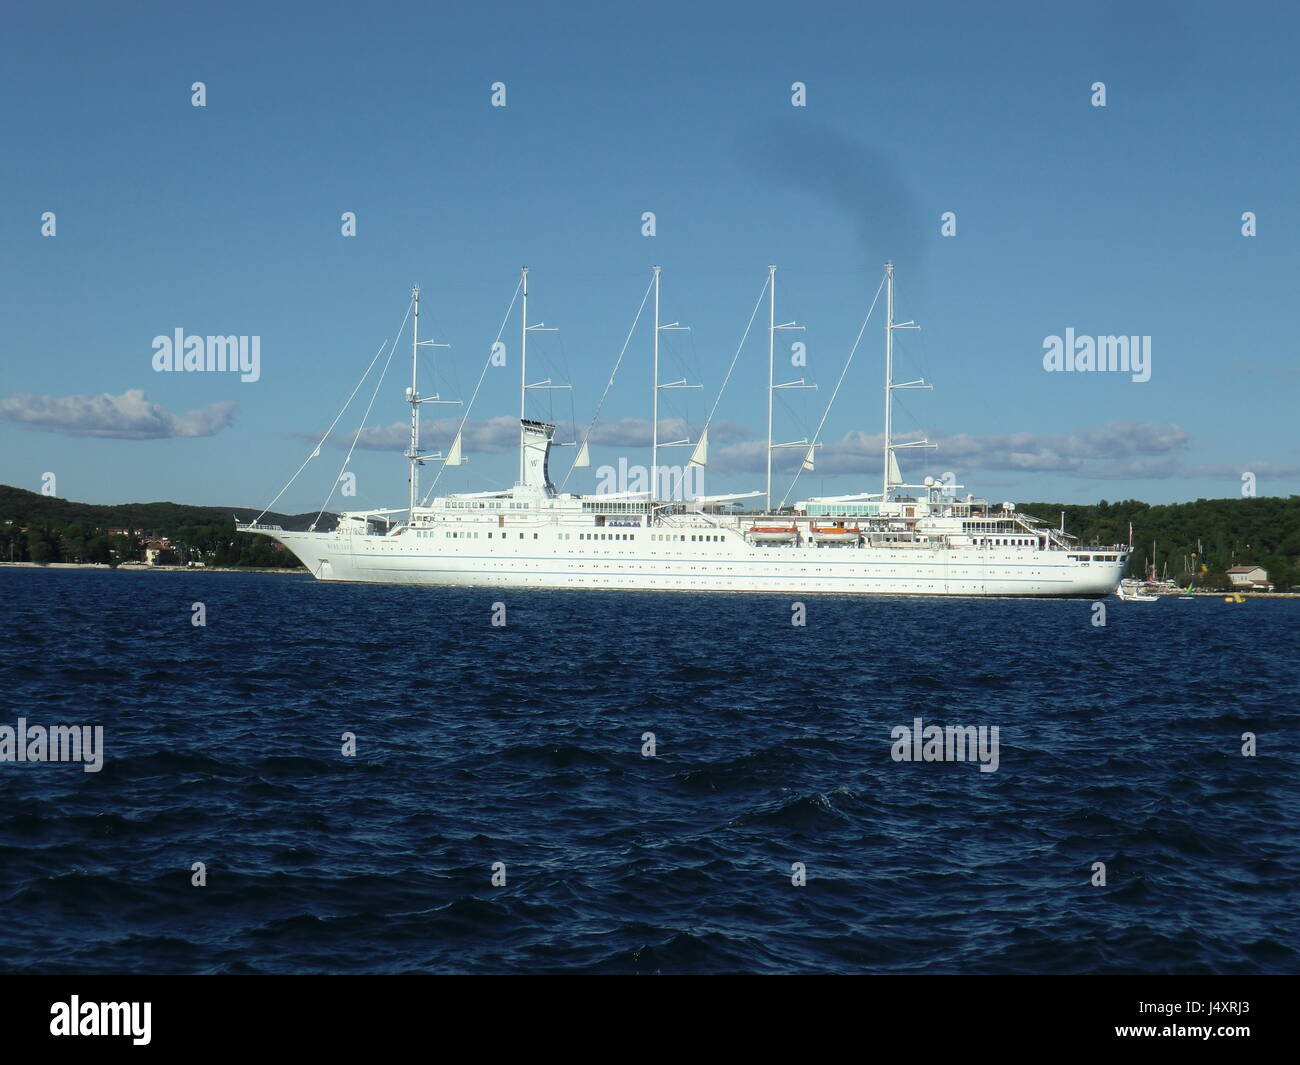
773,534
1131,592
836,533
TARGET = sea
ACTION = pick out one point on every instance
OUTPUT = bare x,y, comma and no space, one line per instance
307,777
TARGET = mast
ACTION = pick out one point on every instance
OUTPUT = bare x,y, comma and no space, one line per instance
523,369
772,386
413,453
655,386
889,373
413,397
771,383
890,386
654,399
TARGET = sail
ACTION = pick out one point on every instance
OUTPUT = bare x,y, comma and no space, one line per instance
454,457
700,456
895,476
808,459
583,460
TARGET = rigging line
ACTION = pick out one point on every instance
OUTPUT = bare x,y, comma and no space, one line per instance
573,410
681,481
312,454
847,362
348,457
482,374
609,384
718,399
335,422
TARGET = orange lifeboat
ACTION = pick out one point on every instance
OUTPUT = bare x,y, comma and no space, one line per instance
835,533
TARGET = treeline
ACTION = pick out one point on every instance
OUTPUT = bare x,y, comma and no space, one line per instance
1193,540
25,508
38,528
212,545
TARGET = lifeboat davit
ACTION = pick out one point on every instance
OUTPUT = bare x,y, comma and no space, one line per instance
773,534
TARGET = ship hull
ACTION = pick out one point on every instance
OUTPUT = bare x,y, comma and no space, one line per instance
731,564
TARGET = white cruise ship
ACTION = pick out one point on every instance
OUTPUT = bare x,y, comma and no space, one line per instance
906,539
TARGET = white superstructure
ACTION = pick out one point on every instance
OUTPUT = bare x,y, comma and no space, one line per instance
905,540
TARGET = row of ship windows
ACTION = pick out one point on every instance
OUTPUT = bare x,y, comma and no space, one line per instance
707,538
469,505
424,534
1021,572
654,537
463,535
614,508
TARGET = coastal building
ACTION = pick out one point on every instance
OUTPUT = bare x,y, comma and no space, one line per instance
1252,578
154,549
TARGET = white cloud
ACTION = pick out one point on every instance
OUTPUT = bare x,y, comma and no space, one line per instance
1121,450
501,434
130,416
493,435
1116,451
635,432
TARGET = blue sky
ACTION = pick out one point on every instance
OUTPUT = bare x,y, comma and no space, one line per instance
225,220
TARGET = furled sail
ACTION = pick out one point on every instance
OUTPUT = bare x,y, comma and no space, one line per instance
700,456
895,476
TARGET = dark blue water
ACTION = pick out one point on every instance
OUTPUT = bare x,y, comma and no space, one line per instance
522,744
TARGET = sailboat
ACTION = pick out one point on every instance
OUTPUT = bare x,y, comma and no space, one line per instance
1131,591
905,539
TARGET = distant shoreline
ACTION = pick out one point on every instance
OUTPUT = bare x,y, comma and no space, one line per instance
151,569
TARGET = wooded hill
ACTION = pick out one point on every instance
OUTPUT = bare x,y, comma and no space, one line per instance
40,528
1200,539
